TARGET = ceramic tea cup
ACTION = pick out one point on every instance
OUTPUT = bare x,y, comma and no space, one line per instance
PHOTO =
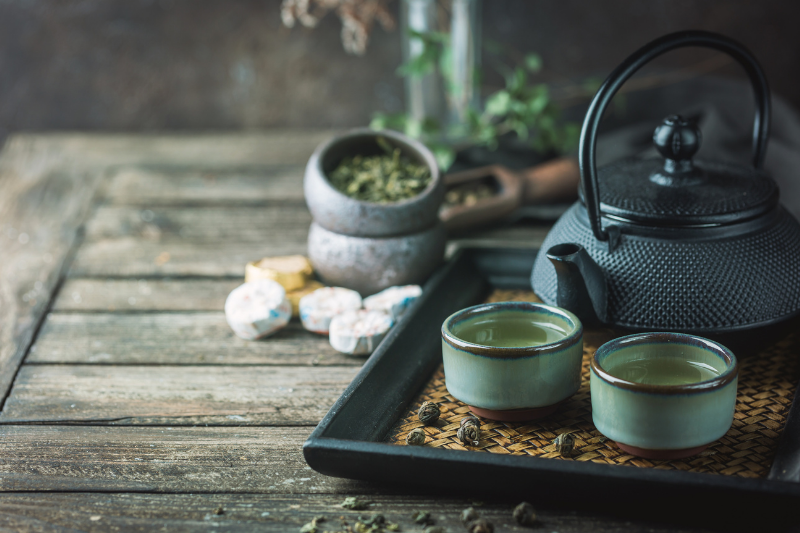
663,395
512,361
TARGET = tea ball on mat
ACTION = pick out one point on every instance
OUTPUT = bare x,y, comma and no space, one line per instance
415,437
428,412
291,271
469,431
359,332
565,444
318,308
394,300
257,309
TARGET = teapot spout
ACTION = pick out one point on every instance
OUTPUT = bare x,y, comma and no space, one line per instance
581,284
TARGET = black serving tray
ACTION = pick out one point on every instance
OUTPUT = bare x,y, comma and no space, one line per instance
349,442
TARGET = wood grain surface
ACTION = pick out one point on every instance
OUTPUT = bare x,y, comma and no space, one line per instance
151,186
159,459
40,213
275,513
202,338
183,395
147,295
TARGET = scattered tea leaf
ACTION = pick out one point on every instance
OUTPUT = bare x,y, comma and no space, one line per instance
354,504
422,517
313,526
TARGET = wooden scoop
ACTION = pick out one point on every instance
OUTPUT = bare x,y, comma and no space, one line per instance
553,182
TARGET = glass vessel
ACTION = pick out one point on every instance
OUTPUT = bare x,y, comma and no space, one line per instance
445,92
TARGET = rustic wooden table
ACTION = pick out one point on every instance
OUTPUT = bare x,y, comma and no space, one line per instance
127,401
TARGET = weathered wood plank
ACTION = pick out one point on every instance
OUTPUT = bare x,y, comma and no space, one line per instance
151,186
175,338
201,224
180,395
39,219
276,512
125,295
131,257
196,241
102,151
159,459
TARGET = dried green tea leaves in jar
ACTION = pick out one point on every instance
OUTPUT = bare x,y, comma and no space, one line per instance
384,178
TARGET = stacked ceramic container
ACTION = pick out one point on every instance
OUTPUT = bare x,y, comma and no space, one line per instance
368,246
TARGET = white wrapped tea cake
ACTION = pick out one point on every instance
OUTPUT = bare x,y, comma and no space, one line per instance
359,332
394,300
257,309
318,308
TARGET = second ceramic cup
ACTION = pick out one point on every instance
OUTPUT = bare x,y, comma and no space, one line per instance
512,361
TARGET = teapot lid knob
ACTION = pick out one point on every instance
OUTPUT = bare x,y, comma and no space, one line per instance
678,140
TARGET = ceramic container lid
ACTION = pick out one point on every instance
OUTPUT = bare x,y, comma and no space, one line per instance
677,191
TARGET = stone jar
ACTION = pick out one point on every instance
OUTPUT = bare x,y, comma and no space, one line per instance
368,246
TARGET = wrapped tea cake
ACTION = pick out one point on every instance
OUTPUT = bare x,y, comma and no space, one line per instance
291,271
318,308
394,300
359,332
295,295
257,309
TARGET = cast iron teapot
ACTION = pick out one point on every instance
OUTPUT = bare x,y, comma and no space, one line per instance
676,245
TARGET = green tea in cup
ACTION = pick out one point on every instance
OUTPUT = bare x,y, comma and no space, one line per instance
508,329
663,371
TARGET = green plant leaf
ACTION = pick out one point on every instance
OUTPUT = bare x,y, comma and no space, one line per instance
420,65
444,155
517,80
498,103
413,128
533,62
520,128
539,98
383,121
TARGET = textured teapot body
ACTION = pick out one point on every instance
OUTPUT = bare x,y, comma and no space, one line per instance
673,244
694,280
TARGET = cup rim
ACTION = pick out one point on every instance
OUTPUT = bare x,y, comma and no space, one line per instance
511,352
396,137
717,382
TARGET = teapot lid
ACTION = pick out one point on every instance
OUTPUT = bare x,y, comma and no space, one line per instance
677,191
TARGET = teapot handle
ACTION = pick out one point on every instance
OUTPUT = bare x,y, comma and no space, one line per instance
588,142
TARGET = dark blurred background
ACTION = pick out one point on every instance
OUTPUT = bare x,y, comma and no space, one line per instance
145,65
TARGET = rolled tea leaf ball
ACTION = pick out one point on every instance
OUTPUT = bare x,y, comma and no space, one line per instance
471,420
415,437
428,412
524,514
469,434
565,444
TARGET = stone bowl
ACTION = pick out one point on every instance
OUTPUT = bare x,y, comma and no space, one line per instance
371,264
341,214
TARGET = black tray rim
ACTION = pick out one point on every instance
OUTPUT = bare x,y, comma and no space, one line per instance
348,441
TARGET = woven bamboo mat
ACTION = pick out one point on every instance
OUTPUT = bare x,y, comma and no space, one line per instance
766,389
